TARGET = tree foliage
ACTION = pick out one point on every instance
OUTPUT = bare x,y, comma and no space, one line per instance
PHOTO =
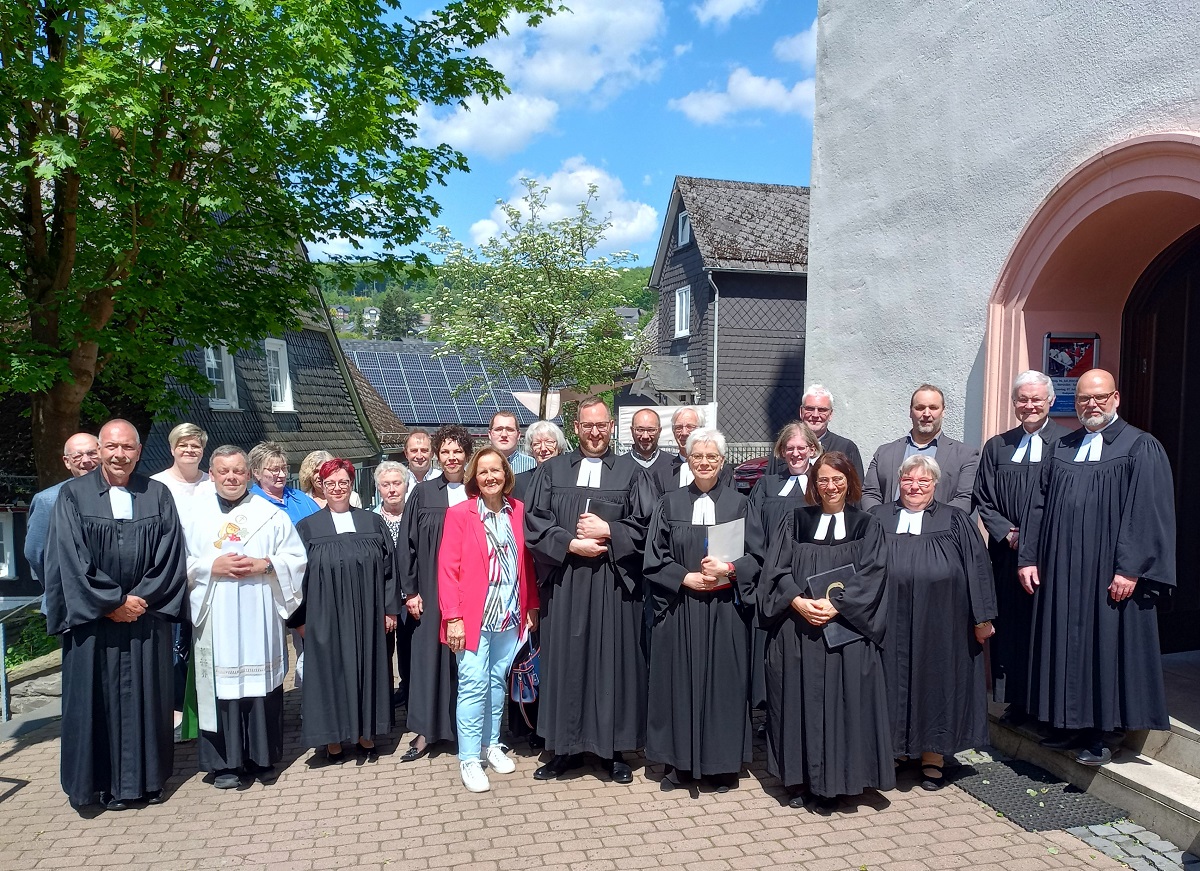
398,316
162,159
533,300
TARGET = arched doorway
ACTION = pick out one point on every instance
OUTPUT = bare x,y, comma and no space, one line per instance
1160,392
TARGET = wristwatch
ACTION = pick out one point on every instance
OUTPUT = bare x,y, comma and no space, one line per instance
270,569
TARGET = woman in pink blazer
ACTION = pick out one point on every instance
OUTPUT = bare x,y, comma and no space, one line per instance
488,595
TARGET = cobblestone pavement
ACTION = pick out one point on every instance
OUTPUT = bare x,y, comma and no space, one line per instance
389,815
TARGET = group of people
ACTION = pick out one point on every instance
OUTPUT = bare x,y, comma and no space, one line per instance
644,601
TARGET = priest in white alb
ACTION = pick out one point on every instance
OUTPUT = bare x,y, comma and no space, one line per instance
245,567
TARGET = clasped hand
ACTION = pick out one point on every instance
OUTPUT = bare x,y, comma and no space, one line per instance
818,612
234,565
129,610
590,535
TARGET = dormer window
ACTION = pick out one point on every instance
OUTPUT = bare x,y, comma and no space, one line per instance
683,235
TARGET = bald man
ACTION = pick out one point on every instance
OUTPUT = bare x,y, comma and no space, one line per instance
81,454
1096,553
116,578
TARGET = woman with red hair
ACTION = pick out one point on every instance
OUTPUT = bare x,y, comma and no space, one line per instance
350,603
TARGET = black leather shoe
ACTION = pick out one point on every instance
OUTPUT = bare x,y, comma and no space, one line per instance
797,797
1096,755
109,803
825,804
558,765
1063,740
536,742
155,797
620,772
414,752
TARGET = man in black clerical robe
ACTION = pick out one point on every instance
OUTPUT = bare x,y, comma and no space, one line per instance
698,720
1099,549
816,410
586,520
116,579
1008,475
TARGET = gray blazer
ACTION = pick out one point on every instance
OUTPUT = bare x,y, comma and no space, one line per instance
957,461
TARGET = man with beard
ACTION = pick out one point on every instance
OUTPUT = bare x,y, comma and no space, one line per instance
1009,473
1096,552
586,520
644,430
116,577
816,410
956,460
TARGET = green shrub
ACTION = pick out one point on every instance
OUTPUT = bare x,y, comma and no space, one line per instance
27,639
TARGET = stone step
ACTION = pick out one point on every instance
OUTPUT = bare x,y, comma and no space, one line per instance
1178,748
1155,794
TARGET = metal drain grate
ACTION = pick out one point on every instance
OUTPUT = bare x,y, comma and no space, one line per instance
1033,798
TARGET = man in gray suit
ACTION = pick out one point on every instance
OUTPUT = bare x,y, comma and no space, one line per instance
958,461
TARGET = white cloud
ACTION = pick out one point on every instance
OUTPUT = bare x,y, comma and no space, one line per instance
493,129
799,48
681,50
633,222
744,93
647,179
593,52
721,11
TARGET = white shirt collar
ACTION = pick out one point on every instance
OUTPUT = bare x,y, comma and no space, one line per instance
839,526
910,521
1092,445
589,472
685,475
790,484
704,511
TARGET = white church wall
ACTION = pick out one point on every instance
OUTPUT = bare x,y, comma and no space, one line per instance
939,129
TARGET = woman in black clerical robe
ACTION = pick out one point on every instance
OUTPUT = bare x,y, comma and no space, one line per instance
698,715
941,601
433,696
827,717
773,500
350,603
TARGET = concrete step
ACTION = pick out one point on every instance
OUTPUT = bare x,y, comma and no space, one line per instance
1178,748
1155,794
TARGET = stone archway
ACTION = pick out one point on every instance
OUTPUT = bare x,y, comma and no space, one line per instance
1075,262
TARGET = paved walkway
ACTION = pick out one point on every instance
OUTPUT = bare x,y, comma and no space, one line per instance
388,815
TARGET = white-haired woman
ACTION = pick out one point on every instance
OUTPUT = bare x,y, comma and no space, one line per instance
698,715
391,483
941,602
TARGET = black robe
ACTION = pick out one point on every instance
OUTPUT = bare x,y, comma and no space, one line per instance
769,513
117,682
1096,663
939,586
827,716
698,716
831,441
592,690
1003,492
349,586
433,691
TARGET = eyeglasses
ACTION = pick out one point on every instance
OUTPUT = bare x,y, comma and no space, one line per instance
1029,400
831,482
335,485
1098,398
594,427
277,473
705,458
813,409
921,484
647,430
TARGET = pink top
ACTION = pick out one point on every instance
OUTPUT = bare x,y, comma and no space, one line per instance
463,569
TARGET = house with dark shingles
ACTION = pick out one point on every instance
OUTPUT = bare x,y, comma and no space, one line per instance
296,389
732,276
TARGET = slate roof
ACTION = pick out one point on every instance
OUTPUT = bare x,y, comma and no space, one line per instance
740,225
666,374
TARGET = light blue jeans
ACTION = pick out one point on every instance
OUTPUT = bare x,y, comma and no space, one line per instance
482,686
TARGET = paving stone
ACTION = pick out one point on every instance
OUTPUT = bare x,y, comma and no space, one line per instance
1128,828
1135,849
1160,846
1163,863
1146,837
1103,831
1080,832
1141,865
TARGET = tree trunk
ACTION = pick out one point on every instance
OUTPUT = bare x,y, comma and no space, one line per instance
544,400
55,418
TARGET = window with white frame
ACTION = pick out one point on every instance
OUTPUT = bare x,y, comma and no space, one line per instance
278,376
683,311
8,554
218,366
684,234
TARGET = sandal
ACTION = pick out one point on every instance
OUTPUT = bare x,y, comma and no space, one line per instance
934,781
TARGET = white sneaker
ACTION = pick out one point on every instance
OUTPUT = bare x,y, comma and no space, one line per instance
497,761
473,777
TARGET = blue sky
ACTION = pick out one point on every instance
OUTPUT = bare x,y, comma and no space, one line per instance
628,94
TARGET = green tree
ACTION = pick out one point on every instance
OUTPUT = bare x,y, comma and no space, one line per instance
533,300
398,316
160,163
